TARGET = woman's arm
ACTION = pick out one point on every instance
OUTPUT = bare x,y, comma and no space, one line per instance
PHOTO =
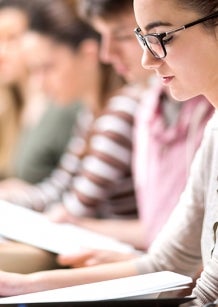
14,284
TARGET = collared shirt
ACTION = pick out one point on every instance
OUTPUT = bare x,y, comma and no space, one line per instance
163,155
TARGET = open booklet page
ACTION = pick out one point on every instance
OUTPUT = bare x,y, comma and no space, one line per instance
30,227
147,285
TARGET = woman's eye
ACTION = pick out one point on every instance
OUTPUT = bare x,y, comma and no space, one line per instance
167,40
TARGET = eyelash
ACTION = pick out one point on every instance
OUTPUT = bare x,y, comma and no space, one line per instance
166,41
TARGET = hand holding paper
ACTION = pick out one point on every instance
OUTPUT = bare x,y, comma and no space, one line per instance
27,226
148,285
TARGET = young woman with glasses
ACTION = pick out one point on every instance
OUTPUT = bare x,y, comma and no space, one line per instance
187,63
162,123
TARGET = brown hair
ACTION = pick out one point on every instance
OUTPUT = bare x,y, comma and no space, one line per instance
60,21
10,113
202,7
105,9
11,107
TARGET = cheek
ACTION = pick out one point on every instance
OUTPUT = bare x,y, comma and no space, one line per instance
65,85
12,60
12,69
190,74
50,82
186,82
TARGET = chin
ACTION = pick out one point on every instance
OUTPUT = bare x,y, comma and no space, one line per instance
181,95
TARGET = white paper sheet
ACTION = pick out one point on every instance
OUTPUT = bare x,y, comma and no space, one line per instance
147,285
27,226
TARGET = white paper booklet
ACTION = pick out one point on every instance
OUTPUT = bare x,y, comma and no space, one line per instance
30,227
147,285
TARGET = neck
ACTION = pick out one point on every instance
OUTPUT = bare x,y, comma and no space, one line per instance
22,86
92,93
212,94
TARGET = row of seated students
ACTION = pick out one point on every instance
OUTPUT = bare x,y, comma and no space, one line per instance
128,159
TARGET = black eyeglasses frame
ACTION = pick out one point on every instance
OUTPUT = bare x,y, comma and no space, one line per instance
160,36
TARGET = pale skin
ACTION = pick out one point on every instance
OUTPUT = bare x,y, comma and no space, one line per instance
176,65
14,284
120,48
12,66
128,231
198,44
13,69
50,64
93,257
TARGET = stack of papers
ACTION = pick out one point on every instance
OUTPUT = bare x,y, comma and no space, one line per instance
147,285
30,227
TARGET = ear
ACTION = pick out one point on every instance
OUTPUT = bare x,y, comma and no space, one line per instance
89,48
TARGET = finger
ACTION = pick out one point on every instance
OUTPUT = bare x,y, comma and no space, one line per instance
74,260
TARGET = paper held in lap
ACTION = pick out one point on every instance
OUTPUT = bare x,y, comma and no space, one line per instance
30,227
148,286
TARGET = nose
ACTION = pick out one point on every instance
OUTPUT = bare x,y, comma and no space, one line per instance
3,48
148,61
37,78
107,50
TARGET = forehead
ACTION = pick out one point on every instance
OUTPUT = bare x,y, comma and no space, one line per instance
13,18
163,11
152,5
117,22
34,41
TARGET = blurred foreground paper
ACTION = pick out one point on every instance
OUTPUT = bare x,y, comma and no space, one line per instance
30,227
147,285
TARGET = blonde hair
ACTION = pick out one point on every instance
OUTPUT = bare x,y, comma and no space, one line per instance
10,111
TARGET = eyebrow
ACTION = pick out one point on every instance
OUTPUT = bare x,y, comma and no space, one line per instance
156,24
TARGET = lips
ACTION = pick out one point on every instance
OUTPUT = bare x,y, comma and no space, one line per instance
166,79
120,69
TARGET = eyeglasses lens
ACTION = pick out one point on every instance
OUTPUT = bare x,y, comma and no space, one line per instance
152,43
155,46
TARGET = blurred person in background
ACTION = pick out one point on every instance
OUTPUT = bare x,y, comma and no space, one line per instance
160,121
178,246
18,101
34,132
164,129
97,181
